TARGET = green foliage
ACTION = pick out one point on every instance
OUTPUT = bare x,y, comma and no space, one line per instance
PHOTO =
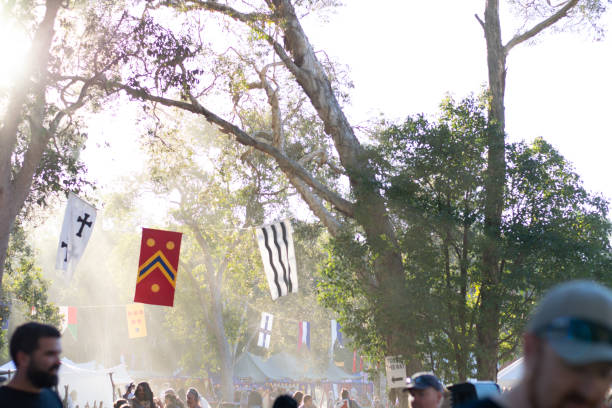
24,288
432,174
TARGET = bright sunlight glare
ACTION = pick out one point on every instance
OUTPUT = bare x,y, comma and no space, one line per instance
14,45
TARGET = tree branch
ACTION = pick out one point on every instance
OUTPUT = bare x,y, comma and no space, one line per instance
482,24
540,26
220,8
316,205
288,165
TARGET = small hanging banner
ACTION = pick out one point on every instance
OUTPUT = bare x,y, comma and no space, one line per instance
69,320
79,220
278,256
303,334
137,326
336,334
158,267
265,330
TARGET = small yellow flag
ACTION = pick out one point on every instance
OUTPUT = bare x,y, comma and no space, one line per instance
137,326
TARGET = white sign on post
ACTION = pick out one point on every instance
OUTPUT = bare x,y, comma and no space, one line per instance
396,372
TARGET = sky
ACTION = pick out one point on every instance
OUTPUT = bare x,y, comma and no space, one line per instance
403,58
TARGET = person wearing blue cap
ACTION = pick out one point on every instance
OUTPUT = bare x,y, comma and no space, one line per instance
567,351
425,390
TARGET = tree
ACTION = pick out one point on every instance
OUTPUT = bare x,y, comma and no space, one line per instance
40,134
433,176
217,203
284,73
25,291
546,14
270,70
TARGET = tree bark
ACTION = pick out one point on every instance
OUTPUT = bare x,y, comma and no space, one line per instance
491,289
488,327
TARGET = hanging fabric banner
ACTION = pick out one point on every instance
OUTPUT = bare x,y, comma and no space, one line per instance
79,219
68,315
158,267
278,256
265,330
336,334
137,326
303,334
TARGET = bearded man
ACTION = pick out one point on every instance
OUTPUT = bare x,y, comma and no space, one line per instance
35,349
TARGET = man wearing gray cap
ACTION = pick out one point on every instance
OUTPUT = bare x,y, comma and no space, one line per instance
567,350
425,390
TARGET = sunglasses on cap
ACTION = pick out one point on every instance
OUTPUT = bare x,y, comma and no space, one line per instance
578,329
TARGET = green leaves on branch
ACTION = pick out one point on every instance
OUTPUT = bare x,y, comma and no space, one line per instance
432,175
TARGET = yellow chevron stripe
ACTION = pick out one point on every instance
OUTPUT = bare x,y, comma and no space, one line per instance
157,265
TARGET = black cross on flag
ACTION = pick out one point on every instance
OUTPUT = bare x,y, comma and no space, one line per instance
79,220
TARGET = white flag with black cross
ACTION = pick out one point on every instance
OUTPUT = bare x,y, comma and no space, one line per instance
278,256
265,330
79,220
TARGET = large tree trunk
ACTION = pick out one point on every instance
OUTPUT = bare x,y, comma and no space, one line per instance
370,210
489,322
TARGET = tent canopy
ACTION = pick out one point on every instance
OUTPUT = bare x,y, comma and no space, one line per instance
511,375
253,367
91,383
284,366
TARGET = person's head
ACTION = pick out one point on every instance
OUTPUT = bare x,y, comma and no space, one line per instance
568,347
285,401
344,393
425,390
193,398
35,349
120,402
170,397
143,392
254,399
307,401
297,396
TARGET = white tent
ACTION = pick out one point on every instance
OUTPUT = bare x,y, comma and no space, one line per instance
509,376
91,384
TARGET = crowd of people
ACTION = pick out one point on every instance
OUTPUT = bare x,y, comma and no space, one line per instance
567,362
254,396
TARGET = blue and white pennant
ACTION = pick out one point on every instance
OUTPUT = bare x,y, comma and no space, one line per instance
303,334
265,330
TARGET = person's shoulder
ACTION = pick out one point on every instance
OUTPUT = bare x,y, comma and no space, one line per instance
481,403
51,397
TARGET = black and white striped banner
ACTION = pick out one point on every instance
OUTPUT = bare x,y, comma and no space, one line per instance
278,256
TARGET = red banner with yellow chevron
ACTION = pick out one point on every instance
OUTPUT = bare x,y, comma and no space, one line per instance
158,267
